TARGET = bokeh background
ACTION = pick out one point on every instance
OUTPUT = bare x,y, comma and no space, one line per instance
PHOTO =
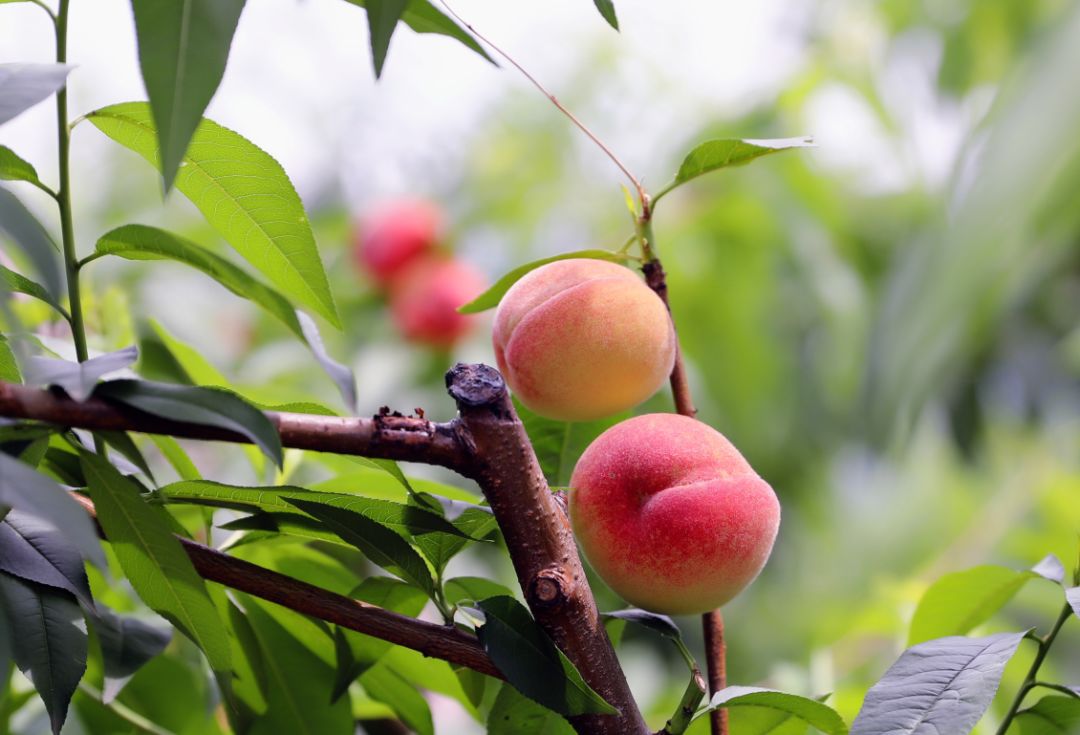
886,324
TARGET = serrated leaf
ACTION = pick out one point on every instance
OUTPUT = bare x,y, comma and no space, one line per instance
51,644
244,194
655,622
183,48
1050,716
378,543
726,152
127,643
941,687
532,663
24,85
607,10
9,366
514,714
196,405
25,489
385,685
30,237
14,168
383,17
139,242
473,524
154,561
78,379
956,603
21,284
559,444
814,713
490,298
35,550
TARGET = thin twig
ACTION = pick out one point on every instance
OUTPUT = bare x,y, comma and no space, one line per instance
642,195
1030,679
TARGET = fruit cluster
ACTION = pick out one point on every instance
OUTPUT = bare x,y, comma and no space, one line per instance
398,246
665,508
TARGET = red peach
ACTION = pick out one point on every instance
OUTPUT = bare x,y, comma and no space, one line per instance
581,339
424,300
671,515
390,237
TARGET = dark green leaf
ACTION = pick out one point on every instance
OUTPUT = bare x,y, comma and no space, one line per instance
378,543
531,662
607,9
383,17
942,686
289,524
474,523
513,714
473,589
14,168
559,444
125,445
9,367
21,284
385,685
183,47
815,713
244,194
655,622
51,643
1050,716
154,561
206,406
25,489
177,457
36,550
30,237
24,85
297,684
958,602
126,644
78,378
423,17
490,298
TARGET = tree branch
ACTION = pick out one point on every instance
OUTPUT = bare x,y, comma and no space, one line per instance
437,641
383,436
541,545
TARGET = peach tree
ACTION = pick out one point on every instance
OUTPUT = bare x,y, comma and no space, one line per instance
92,538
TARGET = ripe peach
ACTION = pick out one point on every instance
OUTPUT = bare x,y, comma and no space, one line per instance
670,514
389,238
581,339
425,297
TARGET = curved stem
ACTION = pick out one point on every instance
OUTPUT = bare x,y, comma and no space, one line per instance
1030,681
46,8
63,195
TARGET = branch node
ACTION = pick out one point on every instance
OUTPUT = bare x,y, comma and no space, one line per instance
475,385
550,587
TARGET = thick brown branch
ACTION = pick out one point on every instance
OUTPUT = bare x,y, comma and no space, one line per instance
430,639
540,543
384,436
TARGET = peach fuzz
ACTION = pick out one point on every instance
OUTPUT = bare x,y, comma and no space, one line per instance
424,300
582,339
671,515
393,235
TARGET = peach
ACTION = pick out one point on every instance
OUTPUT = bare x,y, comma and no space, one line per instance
671,515
390,237
582,339
424,300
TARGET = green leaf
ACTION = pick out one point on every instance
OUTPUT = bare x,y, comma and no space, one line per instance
51,643
383,17
956,603
25,489
559,444
78,379
1050,716
297,683
814,713
21,284
724,153
24,85
139,242
9,366
473,524
385,685
655,622
15,168
475,589
37,551
532,663
30,237
127,643
607,9
513,714
942,686
244,194
183,47
490,298
378,543
206,406
423,17
177,457
154,561
126,447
